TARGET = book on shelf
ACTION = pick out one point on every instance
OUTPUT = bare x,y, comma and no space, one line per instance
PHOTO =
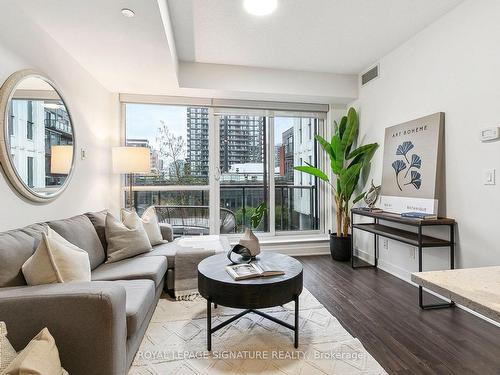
372,209
254,269
419,215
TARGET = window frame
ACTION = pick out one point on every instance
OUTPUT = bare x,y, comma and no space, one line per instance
319,111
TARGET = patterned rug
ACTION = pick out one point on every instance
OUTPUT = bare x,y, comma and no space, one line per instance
175,342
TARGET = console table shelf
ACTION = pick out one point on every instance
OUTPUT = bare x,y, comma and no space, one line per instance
417,239
401,235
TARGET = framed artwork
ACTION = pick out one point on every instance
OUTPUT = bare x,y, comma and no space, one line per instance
413,176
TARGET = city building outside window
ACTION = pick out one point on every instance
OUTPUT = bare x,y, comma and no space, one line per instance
179,139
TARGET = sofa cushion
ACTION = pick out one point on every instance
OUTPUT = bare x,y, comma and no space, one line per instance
56,260
151,268
40,356
127,239
98,220
166,250
16,246
140,296
80,232
149,223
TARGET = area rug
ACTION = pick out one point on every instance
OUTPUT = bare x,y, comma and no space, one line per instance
175,342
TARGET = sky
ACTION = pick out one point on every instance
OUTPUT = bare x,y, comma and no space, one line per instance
143,121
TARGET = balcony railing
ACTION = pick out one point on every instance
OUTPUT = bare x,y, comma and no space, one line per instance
296,206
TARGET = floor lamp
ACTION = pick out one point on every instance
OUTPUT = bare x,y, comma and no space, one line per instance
130,160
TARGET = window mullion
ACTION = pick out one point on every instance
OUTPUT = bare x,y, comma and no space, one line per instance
271,167
214,170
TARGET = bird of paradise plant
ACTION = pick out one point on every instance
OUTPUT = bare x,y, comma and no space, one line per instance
346,165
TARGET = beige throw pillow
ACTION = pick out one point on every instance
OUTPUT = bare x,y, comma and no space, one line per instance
39,357
56,260
125,241
149,222
7,352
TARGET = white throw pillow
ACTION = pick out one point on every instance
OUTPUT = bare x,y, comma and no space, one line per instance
149,222
7,352
125,241
40,356
56,260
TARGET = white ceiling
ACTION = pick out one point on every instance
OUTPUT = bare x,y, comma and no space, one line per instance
336,36
122,53
308,50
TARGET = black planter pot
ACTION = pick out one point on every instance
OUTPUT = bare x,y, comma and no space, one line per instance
340,247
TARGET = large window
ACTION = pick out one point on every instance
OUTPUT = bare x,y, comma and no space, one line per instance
224,163
177,137
296,194
243,167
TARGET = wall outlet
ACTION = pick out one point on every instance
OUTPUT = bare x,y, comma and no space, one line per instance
385,244
489,176
412,252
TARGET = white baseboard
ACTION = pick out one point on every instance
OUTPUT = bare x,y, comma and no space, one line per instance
405,275
299,249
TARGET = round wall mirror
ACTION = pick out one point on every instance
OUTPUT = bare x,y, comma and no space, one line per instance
36,136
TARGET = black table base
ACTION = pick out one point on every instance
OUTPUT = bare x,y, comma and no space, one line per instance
210,330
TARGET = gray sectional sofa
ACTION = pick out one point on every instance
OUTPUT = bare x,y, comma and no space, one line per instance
99,325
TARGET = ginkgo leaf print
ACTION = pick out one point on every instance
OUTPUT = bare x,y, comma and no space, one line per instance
398,166
404,148
416,180
416,162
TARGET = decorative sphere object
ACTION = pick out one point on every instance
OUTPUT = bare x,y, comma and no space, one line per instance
248,247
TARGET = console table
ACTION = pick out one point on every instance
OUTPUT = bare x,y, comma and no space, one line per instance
417,239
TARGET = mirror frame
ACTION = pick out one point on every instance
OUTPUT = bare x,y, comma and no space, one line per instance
6,93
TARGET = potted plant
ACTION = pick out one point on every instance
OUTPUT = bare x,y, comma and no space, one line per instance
346,164
249,247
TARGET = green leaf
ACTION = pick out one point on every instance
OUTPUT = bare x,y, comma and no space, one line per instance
324,143
349,179
363,150
351,131
338,162
312,171
342,126
257,215
358,198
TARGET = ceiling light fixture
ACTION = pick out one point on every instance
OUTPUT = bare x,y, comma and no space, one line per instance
128,12
260,7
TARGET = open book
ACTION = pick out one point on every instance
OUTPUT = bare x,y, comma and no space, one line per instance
251,270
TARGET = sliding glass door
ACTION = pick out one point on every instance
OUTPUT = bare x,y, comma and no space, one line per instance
243,168
211,168
296,193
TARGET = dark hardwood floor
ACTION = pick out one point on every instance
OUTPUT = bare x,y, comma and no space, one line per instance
382,312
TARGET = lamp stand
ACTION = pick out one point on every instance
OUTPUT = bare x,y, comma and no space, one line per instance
131,191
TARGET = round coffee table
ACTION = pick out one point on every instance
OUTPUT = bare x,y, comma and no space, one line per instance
219,288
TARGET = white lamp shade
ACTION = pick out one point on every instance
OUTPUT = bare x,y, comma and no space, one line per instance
131,160
61,159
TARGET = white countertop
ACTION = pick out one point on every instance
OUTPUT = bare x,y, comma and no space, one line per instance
475,288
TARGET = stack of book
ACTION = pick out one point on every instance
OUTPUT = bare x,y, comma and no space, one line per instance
419,215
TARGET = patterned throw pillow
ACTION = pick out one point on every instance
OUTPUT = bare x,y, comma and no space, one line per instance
40,356
7,352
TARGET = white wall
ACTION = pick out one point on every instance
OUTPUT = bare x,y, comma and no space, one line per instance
24,45
453,66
